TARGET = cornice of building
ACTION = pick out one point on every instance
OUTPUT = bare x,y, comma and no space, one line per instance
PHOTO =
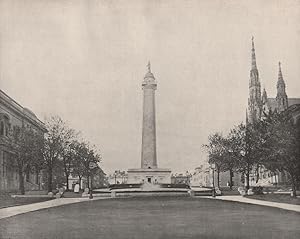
21,111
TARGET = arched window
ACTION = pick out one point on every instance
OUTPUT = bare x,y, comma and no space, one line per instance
6,128
4,124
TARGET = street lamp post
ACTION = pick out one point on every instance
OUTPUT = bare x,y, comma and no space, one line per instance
92,165
243,154
91,186
115,174
213,166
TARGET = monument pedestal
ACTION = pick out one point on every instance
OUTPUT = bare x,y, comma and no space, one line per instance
153,176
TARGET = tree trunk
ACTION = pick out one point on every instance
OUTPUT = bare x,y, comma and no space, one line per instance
79,182
21,182
67,182
50,187
248,178
218,178
257,173
231,176
36,176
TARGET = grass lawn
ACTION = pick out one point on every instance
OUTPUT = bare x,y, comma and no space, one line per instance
8,201
227,192
283,198
153,218
72,195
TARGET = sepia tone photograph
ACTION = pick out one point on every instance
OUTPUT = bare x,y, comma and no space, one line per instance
149,119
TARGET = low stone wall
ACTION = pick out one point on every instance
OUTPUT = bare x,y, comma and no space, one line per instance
202,193
31,196
97,195
149,193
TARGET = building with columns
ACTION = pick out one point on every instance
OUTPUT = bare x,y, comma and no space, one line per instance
149,171
12,114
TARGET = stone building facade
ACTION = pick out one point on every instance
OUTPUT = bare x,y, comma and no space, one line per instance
118,177
13,114
260,104
202,176
181,178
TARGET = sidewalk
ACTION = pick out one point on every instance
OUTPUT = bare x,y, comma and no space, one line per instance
285,206
13,211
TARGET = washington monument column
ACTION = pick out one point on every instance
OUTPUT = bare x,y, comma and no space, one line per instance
148,159
149,172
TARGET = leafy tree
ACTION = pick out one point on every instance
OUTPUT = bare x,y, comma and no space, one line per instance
246,141
56,138
216,153
83,156
99,178
78,153
58,178
27,145
68,156
91,157
282,146
230,159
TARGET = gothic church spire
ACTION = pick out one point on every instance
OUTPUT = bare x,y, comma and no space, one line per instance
280,77
281,98
254,101
253,59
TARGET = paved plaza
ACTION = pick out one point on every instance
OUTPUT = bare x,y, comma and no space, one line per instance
150,217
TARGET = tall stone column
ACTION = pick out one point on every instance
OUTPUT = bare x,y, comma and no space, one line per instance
149,85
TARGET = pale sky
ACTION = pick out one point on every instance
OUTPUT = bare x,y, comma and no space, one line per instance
85,61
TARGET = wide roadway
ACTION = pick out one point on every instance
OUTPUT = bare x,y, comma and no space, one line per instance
154,217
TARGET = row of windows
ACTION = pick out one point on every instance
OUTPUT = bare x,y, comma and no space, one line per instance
8,164
9,169
5,128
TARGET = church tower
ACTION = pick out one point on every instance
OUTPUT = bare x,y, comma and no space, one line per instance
281,97
254,100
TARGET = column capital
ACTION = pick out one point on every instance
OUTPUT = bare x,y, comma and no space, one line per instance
152,85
